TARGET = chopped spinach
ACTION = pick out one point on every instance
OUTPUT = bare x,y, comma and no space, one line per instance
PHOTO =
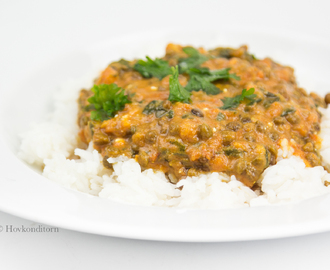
156,107
220,116
233,152
270,99
288,111
180,146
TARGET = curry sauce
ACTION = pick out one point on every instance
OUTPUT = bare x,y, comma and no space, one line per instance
200,136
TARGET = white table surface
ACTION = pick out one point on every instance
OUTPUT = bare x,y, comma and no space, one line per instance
46,28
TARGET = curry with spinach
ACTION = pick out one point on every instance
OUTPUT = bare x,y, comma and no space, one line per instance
196,111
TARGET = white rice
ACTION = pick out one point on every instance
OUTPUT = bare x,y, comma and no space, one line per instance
49,144
44,141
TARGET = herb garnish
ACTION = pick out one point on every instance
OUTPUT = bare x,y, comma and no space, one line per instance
201,79
213,75
231,103
194,59
177,92
153,68
197,83
108,99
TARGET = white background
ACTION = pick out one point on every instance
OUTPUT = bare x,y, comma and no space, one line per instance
41,30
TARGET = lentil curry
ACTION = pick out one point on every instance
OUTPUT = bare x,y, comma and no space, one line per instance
221,110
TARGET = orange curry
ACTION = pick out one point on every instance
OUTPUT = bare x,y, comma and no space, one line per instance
186,139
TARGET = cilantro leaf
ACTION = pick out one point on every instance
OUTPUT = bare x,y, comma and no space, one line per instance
197,83
202,78
213,75
231,103
153,68
177,92
107,100
194,59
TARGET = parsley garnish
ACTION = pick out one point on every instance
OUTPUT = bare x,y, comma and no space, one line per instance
194,59
177,91
213,75
202,78
108,99
231,103
197,83
153,68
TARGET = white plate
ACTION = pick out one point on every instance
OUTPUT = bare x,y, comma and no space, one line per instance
25,193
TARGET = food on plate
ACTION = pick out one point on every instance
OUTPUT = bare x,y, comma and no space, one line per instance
195,128
225,112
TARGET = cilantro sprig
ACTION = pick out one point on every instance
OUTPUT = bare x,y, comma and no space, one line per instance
233,102
160,68
197,83
107,100
194,59
153,68
202,78
177,92
213,75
